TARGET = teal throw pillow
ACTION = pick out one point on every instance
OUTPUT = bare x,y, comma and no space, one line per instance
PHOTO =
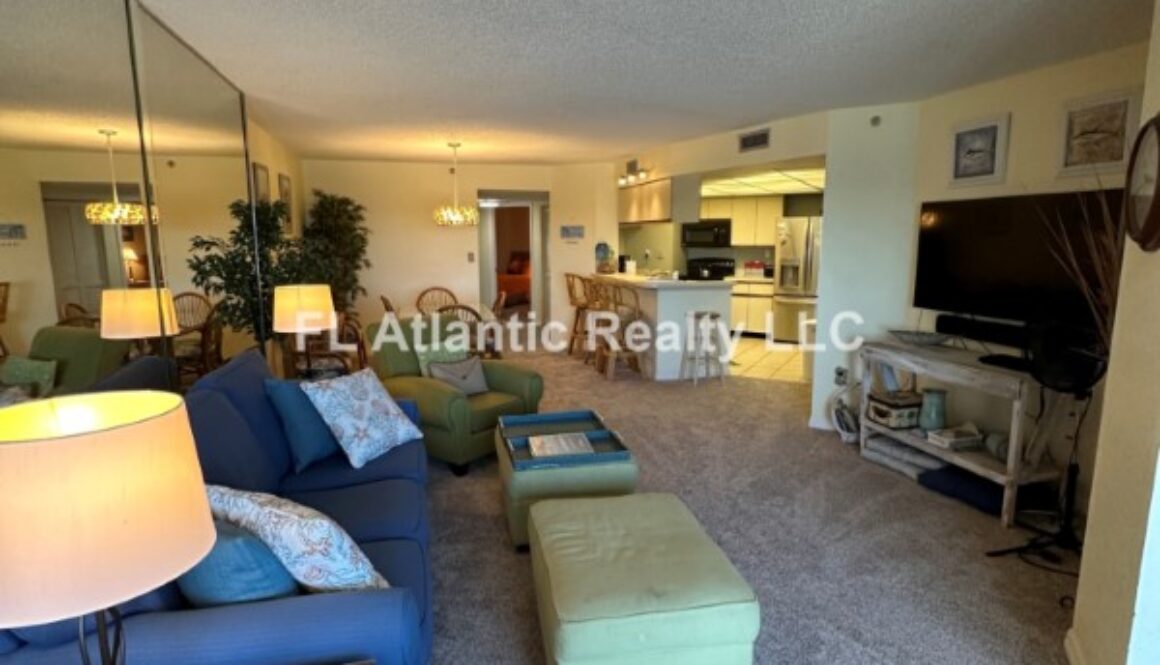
310,437
239,569
39,374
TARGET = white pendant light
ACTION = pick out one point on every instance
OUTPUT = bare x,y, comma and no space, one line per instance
455,214
115,212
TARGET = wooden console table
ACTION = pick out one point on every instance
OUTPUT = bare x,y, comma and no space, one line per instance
960,368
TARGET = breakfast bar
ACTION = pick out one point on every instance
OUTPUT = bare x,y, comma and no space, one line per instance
666,299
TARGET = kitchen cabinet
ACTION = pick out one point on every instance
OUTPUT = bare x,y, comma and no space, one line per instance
649,202
721,208
769,213
755,218
750,306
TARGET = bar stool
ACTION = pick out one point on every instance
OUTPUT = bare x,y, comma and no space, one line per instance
625,308
598,297
705,347
578,300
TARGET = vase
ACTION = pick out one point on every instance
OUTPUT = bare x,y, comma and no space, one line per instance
934,410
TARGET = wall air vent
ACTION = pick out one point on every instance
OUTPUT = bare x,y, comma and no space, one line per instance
756,140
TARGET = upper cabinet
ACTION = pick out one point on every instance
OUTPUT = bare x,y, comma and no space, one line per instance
650,202
755,218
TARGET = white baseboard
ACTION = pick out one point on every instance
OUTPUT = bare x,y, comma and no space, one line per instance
820,422
1072,648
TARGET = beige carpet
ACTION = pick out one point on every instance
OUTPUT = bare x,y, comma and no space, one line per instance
852,563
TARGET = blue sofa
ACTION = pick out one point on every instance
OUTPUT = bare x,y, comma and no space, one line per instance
241,444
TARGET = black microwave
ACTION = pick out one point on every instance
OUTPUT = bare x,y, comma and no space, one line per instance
707,233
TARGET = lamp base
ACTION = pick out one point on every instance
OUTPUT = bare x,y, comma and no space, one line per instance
110,638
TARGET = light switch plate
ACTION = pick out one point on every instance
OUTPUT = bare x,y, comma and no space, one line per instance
471,257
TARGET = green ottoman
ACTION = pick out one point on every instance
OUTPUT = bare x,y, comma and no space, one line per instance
611,471
634,579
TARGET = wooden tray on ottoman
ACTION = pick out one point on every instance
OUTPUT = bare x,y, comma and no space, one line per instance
608,471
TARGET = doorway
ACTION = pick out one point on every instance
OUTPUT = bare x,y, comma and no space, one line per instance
86,259
513,251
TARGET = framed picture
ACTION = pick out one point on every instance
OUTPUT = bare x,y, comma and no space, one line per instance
572,233
980,151
261,182
285,195
1098,133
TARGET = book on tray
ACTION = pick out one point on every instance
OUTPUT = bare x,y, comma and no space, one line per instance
554,445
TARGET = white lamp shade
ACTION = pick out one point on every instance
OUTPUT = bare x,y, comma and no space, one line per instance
303,308
137,314
102,500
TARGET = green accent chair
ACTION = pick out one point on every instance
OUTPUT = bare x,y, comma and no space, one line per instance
457,428
82,357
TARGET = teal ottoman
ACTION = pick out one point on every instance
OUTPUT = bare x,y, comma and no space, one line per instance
635,579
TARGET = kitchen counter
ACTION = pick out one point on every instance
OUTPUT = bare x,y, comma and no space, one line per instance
750,280
661,283
670,301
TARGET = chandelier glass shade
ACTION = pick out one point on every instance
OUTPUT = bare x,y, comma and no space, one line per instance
455,214
116,212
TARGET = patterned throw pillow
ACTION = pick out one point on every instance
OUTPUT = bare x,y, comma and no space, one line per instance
316,551
361,415
40,375
466,375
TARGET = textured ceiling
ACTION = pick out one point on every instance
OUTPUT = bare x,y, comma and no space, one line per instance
561,81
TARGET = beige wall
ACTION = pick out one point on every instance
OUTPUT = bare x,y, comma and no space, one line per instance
408,252
1127,451
279,159
26,264
582,194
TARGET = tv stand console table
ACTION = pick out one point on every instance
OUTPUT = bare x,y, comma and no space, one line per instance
960,368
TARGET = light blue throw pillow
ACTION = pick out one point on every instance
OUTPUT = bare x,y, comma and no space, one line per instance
310,438
239,569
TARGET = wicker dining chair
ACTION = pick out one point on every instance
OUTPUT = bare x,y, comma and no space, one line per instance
200,355
4,288
433,299
499,304
387,304
193,311
474,320
319,360
578,300
625,307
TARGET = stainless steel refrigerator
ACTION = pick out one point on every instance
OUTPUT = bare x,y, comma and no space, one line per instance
798,256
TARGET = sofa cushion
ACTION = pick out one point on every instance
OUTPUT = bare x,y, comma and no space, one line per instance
143,373
407,461
432,356
9,642
240,568
403,562
243,381
229,452
362,416
312,546
310,439
162,599
374,511
486,408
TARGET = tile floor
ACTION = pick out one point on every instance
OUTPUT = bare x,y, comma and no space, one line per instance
752,359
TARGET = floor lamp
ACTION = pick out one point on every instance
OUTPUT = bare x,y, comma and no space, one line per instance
104,494
301,309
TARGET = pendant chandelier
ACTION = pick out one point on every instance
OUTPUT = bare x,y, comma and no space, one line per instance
115,212
455,214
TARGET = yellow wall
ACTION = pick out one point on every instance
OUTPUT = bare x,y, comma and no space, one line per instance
1126,455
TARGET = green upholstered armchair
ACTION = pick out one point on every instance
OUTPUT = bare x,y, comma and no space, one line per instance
457,428
82,357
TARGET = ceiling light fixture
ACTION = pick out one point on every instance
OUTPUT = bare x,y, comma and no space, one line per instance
632,175
455,214
115,212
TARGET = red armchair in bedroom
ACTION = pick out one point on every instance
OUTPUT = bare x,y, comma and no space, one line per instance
516,279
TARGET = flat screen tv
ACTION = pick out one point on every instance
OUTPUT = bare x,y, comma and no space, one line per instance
993,257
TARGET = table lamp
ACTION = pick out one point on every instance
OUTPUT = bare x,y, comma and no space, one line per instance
103,500
138,314
303,308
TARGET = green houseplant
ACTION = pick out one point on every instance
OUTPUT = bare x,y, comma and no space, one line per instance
226,268
333,249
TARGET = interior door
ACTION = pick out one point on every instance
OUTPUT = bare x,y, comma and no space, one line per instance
80,264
